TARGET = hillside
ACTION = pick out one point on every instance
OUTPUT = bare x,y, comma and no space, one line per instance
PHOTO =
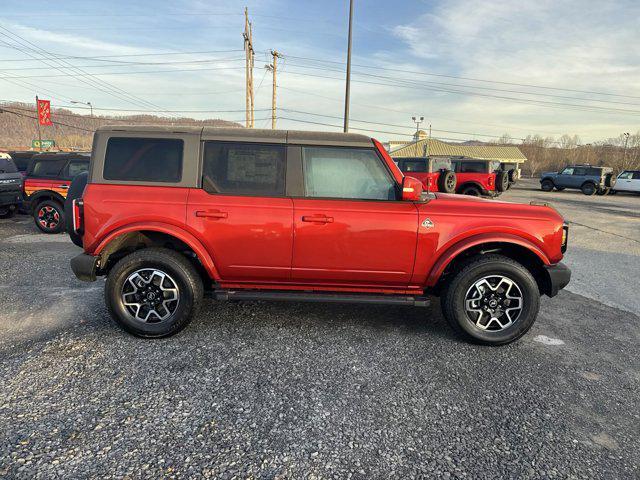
71,130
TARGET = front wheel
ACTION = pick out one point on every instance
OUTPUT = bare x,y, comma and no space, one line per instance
471,190
492,300
153,292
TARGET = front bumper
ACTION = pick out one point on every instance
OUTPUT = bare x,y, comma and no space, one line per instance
559,276
85,266
10,198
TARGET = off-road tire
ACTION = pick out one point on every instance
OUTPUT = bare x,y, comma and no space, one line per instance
471,190
547,185
609,180
453,299
589,188
447,181
502,181
7,212
178,267
55,207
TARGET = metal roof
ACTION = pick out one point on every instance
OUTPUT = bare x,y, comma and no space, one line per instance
436,148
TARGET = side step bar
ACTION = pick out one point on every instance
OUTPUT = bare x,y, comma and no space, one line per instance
415,301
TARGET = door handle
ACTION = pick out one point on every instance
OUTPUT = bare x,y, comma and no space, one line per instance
317,219
63,186
211,214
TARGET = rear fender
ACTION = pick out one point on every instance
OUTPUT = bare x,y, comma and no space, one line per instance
191,241
460,247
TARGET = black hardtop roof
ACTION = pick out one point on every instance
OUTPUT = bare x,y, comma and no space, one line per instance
62,155
250,134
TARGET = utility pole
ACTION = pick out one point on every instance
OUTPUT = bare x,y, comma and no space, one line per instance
248,50
624,155
348,86
274,69
38,123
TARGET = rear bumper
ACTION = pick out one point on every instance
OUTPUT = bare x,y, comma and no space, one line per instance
559,277
85,266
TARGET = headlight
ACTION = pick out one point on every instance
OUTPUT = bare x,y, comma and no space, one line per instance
565,237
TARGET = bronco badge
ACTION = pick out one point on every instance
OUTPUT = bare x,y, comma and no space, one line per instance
427,223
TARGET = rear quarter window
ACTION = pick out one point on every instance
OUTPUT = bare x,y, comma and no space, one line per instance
144,159
48,168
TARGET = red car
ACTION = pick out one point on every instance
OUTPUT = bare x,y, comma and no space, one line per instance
171,212
480,177
436,175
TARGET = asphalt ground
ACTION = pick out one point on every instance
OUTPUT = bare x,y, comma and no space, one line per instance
289,390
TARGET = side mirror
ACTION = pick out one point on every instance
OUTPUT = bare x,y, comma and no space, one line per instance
411,189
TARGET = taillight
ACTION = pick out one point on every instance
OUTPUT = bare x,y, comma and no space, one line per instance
77,215
491,180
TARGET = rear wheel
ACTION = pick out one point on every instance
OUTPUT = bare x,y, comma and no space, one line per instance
502,181
49,216
492,300
471,190
153,292
546,185
588,188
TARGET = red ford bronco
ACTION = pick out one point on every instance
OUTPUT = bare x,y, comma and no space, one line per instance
436,175
480,177
169,213
46,183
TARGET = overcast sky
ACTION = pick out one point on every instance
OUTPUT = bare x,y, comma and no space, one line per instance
481,68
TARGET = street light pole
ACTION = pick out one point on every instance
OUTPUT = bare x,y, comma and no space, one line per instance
348,86
626,140
418,121
84,103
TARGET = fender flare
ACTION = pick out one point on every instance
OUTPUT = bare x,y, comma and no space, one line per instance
181,234
465,244
470,183
40,195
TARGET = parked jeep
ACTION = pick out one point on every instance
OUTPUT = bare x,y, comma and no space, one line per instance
171,212
480,177
45,187
436,175
587,178
10,187
22,158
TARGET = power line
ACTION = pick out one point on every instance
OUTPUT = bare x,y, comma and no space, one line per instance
376,67
3,109
127,55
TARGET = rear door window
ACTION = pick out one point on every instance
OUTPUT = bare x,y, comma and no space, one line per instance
48,168
144,159
244,169
473,167
579,171
350,173
636,176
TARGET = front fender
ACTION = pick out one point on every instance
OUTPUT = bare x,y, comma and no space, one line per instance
172,230
459,247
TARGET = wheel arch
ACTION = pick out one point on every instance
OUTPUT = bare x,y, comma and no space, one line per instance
134,237
42,195
470,183
511,246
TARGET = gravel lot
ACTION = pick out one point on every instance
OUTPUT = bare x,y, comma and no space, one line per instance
323,391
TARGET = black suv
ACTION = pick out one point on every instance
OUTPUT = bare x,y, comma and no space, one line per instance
10,187
587,178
